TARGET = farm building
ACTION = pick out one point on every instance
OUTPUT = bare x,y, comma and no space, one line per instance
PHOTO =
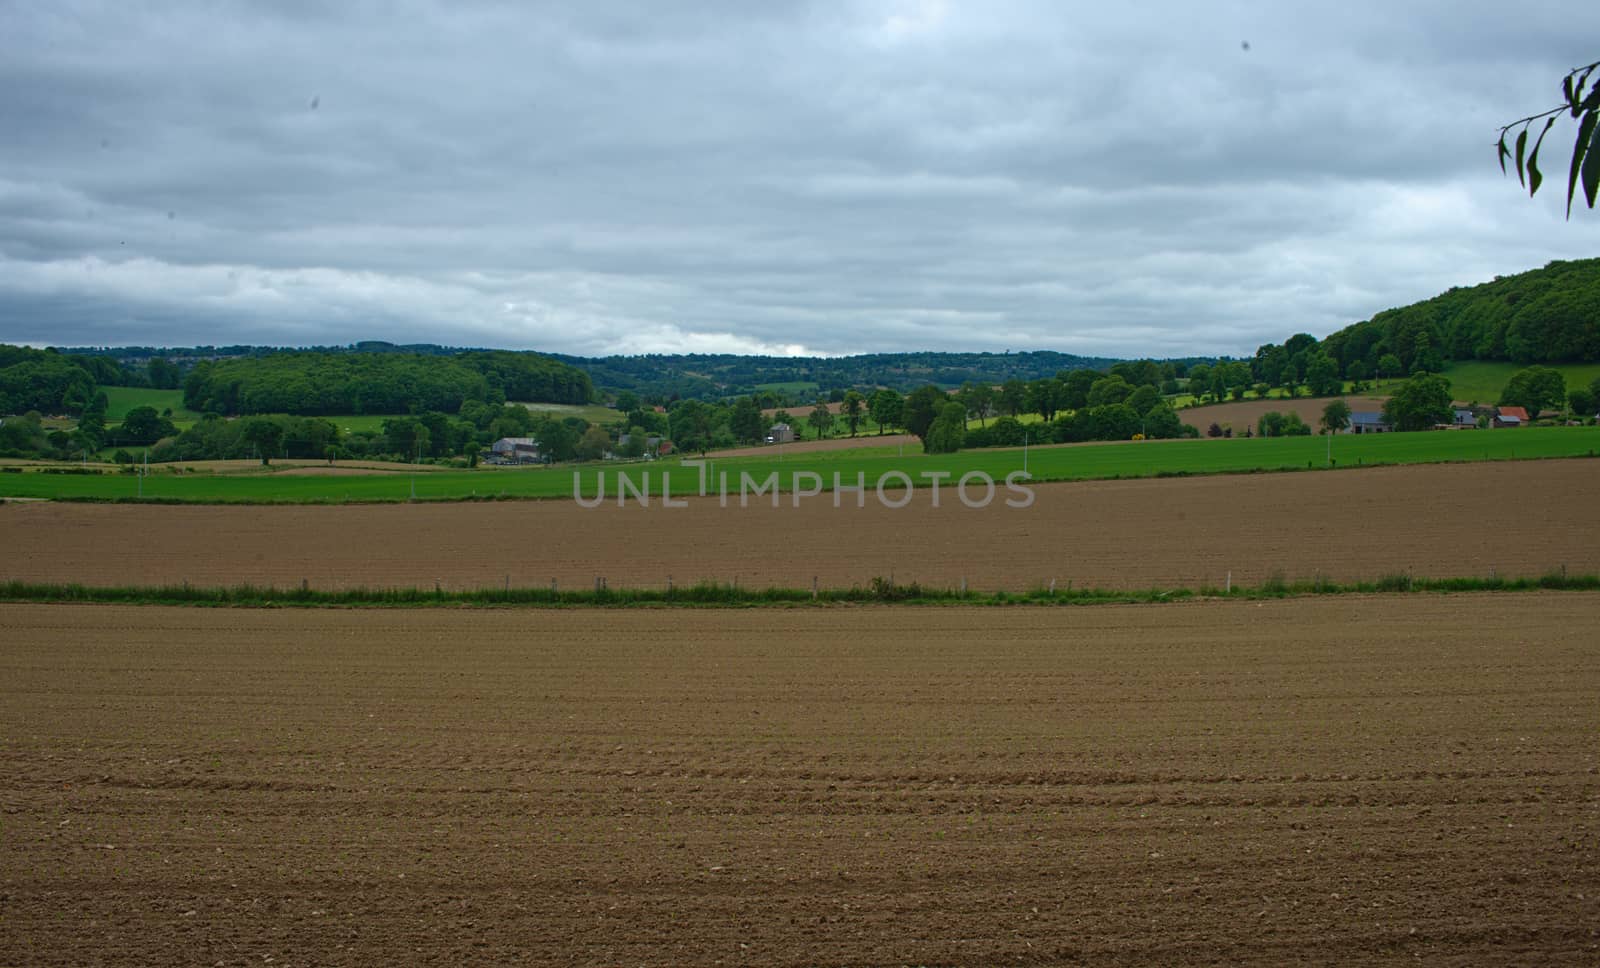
780,433
1511,417
652,443
516,450
1369,422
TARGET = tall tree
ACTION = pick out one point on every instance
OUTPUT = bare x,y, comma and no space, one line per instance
852,408
746,422
1044,398
266,435
1419,403
1534,388
1335,416
593,444
690,422
921,407
1075,386
885,409
1322,375
1013,397
948,431
821,419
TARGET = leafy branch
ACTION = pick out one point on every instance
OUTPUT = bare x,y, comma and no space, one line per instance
1585,108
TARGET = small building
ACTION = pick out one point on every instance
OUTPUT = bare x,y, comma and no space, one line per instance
780,433
1459,420
650,448
516,450
1511,417
1369,422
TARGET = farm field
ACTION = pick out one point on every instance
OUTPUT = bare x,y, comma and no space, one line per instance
1057,462
1483,380
1368,781
873,442
120,400
1514,519
1246,413
593,412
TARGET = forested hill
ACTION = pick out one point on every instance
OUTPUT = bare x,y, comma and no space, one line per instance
1548,315
356,382
714,376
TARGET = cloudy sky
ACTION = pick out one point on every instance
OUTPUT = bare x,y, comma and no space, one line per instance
733,176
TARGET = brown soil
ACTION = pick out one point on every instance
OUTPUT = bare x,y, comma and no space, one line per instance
863,439
1246,413
347,470
1520,518
1351,781
282,466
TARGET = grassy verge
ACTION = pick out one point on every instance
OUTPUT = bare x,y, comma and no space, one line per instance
734,596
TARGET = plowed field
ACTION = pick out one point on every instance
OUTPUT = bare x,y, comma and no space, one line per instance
1362,780
1247,413
1521,518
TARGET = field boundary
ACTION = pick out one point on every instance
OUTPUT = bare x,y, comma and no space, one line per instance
717,595
826,488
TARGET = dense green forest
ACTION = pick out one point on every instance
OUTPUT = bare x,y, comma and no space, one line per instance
718,376
49,381
1548,315
315,383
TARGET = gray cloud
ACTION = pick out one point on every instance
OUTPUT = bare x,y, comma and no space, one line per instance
824,177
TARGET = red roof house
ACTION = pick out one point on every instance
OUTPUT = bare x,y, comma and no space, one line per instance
1511,417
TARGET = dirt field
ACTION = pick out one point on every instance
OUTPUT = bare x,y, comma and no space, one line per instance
1344,781
1521,518
1247,412
863,439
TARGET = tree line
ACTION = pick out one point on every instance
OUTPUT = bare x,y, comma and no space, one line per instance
314,383
1547,315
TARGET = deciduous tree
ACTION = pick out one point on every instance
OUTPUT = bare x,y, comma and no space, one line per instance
1335,416
1534,388
1419,403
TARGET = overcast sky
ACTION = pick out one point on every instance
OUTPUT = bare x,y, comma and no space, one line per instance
739,176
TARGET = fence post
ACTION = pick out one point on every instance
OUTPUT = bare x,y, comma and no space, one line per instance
1228,587
813,588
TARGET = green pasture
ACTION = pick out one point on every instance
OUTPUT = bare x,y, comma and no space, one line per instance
120,400
1079,462
592,412
1482,381
792,387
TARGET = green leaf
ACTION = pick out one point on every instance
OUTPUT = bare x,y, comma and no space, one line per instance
1591,166
1504,152
1522,146
1535,178
1579,149
1566,91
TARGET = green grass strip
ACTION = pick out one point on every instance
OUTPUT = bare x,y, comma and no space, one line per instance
713,595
